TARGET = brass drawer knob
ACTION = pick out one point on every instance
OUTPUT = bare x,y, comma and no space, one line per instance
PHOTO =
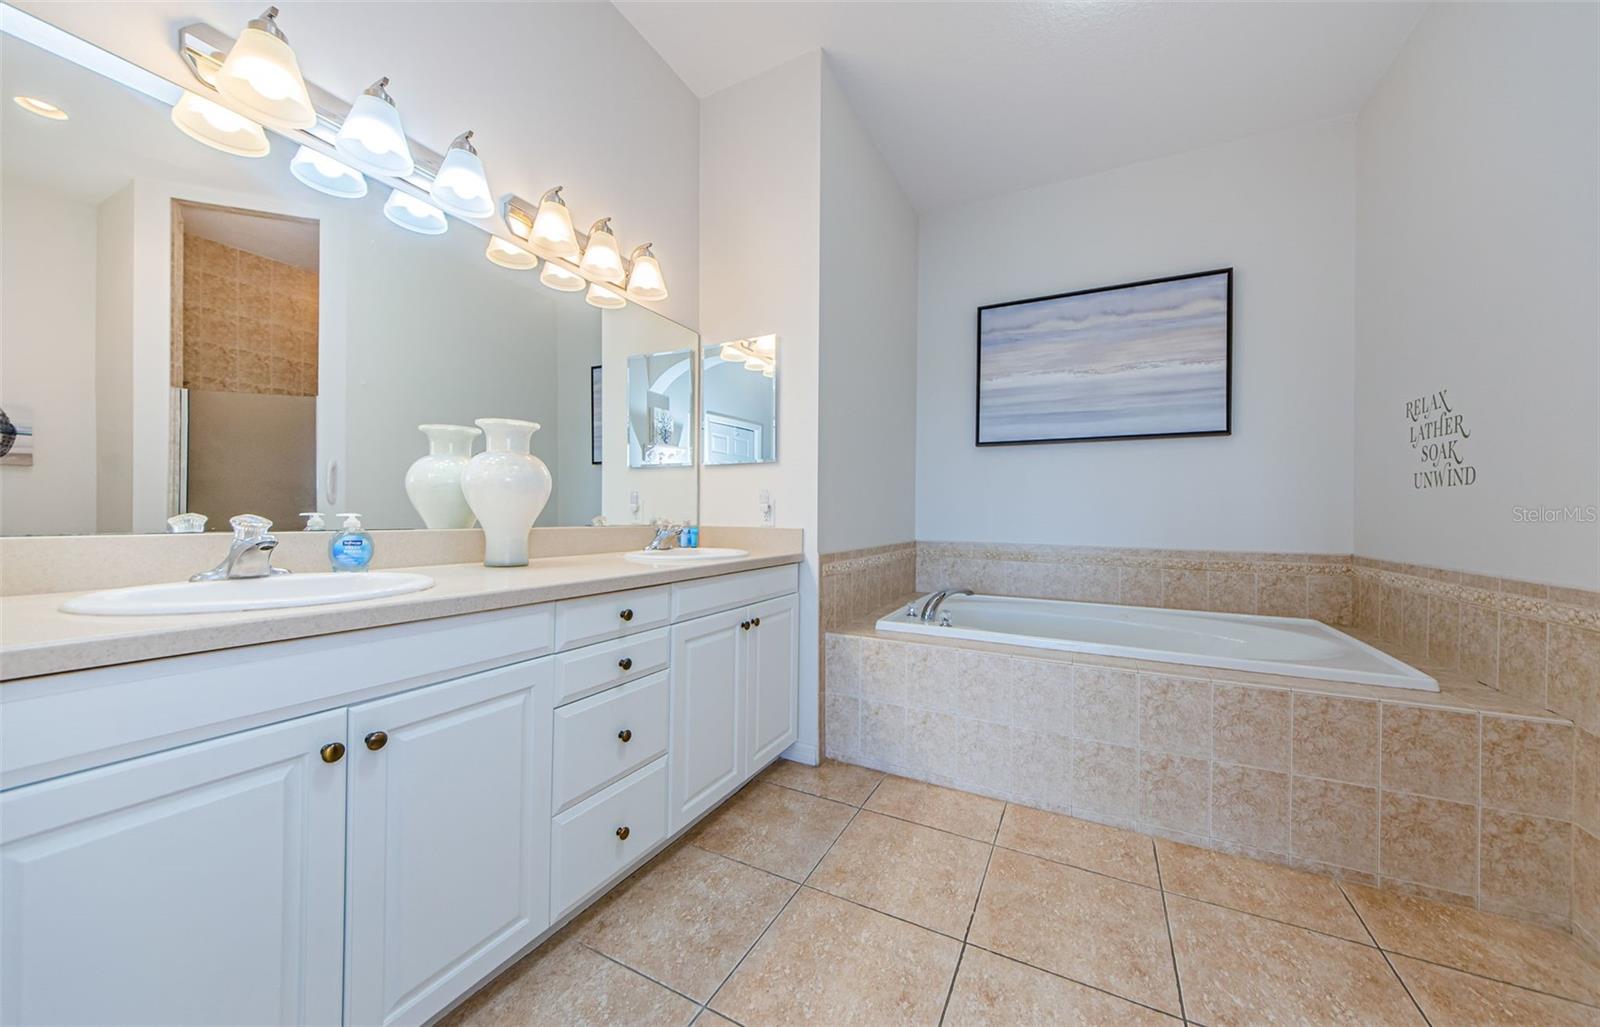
622,833
377,740
333,752
626,614
755,622
626,663
625,734
745,625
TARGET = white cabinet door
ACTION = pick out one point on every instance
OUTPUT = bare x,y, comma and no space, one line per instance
201,885
771,681
449,839
707,757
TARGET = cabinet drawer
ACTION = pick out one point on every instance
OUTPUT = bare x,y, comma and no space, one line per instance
587,844
581,672
590,751
596,618
711,595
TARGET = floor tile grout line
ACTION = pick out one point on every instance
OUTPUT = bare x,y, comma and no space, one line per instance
961,954
1074,980
874,909
1166,918
636,971
1076,866
1271,919
944,1010
1386,960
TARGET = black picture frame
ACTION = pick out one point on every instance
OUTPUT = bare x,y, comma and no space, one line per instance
977,383
596,450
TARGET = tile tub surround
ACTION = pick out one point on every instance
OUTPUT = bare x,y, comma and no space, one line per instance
1468,795
914,904
861,581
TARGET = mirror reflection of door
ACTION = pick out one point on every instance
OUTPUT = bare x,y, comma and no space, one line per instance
730,440
244,354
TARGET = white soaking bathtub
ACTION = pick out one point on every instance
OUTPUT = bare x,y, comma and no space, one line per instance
1290,646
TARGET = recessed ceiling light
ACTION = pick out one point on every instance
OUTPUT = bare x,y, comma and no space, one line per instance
34,105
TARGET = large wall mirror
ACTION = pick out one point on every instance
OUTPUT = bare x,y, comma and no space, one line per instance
186,331
739,423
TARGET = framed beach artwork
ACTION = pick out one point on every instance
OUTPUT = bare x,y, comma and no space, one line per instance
1144,360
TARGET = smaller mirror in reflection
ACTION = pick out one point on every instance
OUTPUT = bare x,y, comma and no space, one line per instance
741,401
661,409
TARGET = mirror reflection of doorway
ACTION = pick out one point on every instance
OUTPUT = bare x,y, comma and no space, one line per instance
245,361
731,440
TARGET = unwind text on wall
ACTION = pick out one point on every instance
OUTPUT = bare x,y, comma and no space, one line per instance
1437,433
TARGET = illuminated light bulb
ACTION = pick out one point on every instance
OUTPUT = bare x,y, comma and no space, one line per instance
209,122
601,258
509,255
645,281
262,75
605,299
560,279
326,175
732,353
552,227
461,187
372,137
414,215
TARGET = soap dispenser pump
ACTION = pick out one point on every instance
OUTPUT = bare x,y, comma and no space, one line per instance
351,548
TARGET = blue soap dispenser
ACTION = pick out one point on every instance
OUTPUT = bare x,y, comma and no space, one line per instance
351,548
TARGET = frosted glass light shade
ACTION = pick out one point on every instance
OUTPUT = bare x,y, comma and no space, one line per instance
605,299
414,215
43,108
509,255
372,138
560,279
552,227
211,123
645,281
461,187
601,258
326,175
262,76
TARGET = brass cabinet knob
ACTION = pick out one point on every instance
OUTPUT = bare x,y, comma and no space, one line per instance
377,740
625,734
333,752
755,622
622,832
626,614
626,663
745,625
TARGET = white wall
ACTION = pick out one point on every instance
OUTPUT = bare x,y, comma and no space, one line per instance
760,193
869,340
115,337
47,351
1478,263
1280,210
624,141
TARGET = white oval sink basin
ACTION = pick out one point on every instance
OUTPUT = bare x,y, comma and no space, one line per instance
696,555
280,590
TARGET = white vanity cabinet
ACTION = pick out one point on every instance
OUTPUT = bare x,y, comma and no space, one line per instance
201,885
359,828
449,839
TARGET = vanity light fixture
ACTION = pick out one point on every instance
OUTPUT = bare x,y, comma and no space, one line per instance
509,255
461,187
43,108
644,279
552,227
415,215
758,354
561,279
601,257
326,175
209,122
372,138
605,299
262,75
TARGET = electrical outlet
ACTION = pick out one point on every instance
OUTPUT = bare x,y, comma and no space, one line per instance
765,501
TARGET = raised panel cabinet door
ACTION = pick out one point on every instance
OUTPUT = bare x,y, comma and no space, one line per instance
449,839
772,680
707,756
201,885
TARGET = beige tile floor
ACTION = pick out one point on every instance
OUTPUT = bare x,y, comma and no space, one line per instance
835,895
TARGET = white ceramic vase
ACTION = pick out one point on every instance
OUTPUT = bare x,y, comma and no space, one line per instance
507,487
433,483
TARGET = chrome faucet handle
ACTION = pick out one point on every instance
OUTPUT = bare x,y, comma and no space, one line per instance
247,527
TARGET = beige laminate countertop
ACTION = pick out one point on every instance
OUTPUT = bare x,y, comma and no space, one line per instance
37,638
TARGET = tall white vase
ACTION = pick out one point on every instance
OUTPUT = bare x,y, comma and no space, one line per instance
507,487
433,483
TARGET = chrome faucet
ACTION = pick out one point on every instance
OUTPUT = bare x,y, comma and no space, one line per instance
931,606
249,555
666,538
